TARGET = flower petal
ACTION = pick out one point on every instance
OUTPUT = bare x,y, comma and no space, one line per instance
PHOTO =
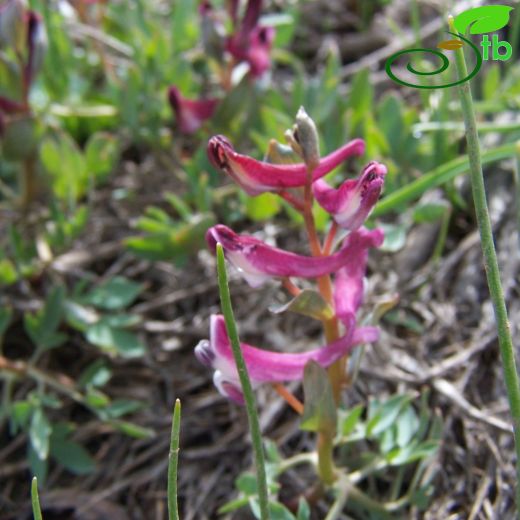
353,201
191,113
349,280
258,262
256,177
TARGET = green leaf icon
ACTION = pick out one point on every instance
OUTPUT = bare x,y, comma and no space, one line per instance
483,19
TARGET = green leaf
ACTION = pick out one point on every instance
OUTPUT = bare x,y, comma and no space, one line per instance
383,416
351,419
39,433
319,413
430,212
262,207
304,511
412,453
407,426
309,303
233,505
395,236
246,483
121,407
132,430
20,414
277,511
71,455
66,166
115,340
484,19
42,326
101,154
97,374
8,274
115,294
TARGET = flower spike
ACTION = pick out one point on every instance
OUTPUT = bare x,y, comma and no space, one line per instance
257,261
349,280
256,177
353,201
266,366
191,113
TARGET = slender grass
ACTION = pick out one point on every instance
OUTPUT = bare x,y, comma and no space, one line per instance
490,258
249,397
173,463
35,500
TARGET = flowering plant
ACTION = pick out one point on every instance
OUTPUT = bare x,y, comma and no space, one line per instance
337,264
249,44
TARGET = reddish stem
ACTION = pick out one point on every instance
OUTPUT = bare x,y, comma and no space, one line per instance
293,401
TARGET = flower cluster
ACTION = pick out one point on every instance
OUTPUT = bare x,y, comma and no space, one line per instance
249,43
257,262
23,32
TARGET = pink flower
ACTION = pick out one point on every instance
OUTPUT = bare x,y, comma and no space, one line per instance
250,42
266,366
258,262
256,177
191,113
351,204
349,280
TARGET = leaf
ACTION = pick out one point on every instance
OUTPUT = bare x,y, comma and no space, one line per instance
304,512
351,419
101,154
262,207
71,455
115,340
429,212
407,426
386,413
277,511
115,294
95,375
8,274
309,303
484,19
132,430
42,326
121,407
39,433
395,236
319,413
246,483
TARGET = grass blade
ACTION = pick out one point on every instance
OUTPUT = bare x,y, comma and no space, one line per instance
254,425
35,500
173,461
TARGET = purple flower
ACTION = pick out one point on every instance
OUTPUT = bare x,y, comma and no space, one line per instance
191,113
353,201
266,366
349,280
250,42
256,177
257,262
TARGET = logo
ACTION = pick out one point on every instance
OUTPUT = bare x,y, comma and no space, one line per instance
479,20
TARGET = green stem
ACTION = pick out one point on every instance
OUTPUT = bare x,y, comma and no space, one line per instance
490,258
173,462
325,460
516,177
35,500
254,425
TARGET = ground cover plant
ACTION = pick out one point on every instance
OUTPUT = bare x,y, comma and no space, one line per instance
351,221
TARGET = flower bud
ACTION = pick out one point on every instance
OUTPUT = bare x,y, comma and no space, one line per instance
306,135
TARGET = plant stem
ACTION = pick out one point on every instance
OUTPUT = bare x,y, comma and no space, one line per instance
490,259
325,459
173,462
254,425
292,400
35,500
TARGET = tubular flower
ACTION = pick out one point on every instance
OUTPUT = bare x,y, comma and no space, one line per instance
265,366
349,280
191,113
353,201
250,42
257,262
256,177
